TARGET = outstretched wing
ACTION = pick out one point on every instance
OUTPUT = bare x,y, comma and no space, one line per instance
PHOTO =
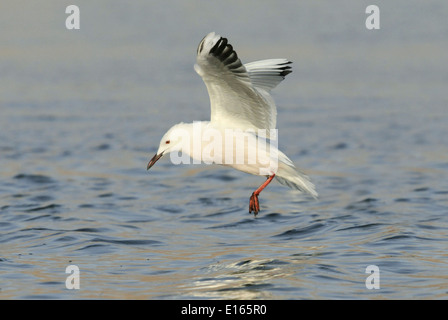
239,94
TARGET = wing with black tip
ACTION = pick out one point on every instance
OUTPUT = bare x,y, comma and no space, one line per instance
239,93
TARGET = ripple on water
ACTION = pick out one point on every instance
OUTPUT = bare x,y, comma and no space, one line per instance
103,245
364,226
211,201
170,208
368,205
51,208
130,242
244,221
220,175
34,178
300,233
42,198
224,211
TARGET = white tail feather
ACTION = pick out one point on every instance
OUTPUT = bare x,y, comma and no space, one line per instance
288,175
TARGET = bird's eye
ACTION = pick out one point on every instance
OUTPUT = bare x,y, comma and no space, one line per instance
167,142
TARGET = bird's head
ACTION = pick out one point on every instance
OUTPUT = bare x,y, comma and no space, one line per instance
172,141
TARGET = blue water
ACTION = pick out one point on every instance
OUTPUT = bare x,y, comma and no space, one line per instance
364,114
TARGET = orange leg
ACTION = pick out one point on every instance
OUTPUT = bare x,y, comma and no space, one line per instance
254,205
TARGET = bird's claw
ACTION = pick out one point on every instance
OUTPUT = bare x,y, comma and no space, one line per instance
254,205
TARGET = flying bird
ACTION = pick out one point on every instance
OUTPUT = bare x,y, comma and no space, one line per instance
242,130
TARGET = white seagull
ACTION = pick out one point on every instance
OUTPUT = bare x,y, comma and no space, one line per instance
239,101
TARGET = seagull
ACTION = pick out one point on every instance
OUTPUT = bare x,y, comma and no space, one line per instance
240,101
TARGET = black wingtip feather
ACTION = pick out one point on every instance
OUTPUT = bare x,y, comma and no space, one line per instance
219,47
286,69
232,58
225,53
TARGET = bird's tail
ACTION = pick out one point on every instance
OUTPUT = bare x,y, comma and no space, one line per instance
289,175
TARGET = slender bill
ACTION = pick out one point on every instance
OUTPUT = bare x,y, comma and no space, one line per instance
154,160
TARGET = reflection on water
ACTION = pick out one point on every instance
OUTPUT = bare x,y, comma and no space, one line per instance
241,280
81,113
